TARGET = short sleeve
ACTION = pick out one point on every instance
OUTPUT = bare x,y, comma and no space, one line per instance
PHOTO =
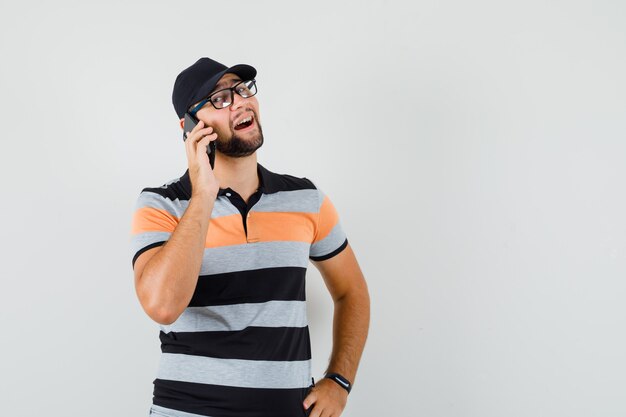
329,237
153,222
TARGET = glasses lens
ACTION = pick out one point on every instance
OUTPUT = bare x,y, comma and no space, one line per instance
222,99
246,89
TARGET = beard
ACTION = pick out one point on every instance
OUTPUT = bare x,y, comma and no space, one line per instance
237,147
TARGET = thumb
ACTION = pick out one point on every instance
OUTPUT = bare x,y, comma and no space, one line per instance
310,400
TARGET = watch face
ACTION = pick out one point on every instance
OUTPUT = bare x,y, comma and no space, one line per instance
343,382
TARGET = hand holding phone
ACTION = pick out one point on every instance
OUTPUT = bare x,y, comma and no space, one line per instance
204,184
190,124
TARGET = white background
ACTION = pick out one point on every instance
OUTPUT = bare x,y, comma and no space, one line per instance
474,150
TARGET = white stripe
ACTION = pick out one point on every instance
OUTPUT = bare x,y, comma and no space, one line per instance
158,411
141,240
330,243
296,201
239,316
177,207
235,372
149,199
249,256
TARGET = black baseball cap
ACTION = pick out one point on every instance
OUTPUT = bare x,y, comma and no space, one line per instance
197,81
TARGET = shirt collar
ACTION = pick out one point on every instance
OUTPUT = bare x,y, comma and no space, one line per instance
269,182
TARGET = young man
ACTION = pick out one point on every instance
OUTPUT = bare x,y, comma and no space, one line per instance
220,256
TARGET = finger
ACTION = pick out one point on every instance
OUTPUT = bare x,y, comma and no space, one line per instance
202,150
326,413
195,139
195,134
205,130
201,128
316,411
198,126
310,400
199,135
189,144
208,138
202,144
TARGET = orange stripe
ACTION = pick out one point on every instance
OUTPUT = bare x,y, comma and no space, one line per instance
328,219
149,219
228,230
225,231
285,226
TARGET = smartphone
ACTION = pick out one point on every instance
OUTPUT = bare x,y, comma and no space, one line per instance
190,123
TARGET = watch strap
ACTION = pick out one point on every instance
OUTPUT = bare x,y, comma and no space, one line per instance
341,381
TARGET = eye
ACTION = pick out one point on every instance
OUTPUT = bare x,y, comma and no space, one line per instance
244,90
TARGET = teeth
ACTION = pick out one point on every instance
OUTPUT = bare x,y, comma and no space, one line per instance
247,119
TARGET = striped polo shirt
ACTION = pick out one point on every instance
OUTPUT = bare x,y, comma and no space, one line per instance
242,346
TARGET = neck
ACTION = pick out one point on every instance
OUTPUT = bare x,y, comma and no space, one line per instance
240,174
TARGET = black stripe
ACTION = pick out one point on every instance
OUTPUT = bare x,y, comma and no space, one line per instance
272,182
223,401
283,182
330,255
171,191
254,286
142,250
251,343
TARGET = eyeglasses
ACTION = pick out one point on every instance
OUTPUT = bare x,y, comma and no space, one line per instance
224,98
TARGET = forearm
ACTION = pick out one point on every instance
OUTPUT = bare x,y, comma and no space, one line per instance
170,276
350,328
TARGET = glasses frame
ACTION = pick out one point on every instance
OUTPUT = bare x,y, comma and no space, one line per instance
232,90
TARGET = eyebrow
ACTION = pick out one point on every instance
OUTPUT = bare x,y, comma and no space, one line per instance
222,85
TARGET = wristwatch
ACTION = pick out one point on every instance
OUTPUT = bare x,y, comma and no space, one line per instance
343,382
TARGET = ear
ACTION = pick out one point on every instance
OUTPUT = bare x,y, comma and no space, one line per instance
182,123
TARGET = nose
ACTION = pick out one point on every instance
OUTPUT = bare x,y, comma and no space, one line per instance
237,101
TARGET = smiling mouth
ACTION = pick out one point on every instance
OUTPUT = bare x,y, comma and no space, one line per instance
245,123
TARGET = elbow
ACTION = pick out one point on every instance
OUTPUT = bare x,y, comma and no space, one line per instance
157,308
357,294
162,316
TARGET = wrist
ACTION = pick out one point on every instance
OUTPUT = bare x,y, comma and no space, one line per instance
205,196
340,380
